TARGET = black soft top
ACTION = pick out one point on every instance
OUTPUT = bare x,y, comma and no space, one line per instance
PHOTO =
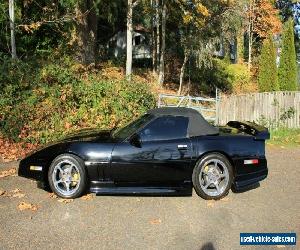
197,124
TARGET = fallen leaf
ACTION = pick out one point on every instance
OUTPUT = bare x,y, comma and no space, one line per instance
17,193
155,221
225,199
27,206
65,200
10,172
11,151
52,195
87,197
210,203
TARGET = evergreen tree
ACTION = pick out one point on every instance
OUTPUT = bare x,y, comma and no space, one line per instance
267,77
287,72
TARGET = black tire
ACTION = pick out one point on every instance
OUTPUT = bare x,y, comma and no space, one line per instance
203,163
82,184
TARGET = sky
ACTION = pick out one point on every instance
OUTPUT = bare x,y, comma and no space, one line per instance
296,13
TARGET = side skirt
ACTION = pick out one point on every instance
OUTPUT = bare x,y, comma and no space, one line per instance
109,188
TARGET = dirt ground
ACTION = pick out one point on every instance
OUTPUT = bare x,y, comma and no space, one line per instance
120,222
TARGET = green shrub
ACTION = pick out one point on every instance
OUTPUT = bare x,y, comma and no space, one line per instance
267,77
221,74
239,78
212,77
285,137
287,72
231,78
61,97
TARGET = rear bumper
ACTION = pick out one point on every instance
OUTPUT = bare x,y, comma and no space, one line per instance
245,180
249,174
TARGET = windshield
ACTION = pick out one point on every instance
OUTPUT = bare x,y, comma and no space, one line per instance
123,133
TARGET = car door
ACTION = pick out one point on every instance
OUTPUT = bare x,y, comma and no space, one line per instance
162,156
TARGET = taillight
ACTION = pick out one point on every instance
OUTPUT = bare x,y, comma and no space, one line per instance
250,162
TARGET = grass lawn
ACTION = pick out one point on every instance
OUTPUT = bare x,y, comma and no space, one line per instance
285,137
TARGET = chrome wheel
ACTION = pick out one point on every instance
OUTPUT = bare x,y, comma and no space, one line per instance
214,177
66,177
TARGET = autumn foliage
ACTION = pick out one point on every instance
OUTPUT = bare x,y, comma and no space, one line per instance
62,97
266,18
10,150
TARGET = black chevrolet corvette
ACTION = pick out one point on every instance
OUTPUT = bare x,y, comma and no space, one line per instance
167,151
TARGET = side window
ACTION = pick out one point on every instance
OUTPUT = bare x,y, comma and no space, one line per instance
165,128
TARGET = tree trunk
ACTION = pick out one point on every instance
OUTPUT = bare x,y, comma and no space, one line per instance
240,47
182,70
87,30
163,45
153,41
157,34
129,41
250,34
12,29
250,50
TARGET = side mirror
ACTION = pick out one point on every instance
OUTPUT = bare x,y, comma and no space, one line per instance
135,140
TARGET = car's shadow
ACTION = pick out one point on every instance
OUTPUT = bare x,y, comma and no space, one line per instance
208,246
248,188
47,188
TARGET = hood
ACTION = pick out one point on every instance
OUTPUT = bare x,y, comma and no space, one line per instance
83,135
89,135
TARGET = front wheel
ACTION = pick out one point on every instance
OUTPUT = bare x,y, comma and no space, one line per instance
212,176
67,176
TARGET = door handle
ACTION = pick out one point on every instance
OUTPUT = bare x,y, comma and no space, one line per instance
182,147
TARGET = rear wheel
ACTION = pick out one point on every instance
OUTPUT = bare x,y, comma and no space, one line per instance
67,176
212,176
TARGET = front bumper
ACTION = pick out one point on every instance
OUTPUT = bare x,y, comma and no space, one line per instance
26,170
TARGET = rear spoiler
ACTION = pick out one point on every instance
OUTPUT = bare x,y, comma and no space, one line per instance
251,128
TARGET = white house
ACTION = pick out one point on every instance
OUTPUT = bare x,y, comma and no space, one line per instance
141,48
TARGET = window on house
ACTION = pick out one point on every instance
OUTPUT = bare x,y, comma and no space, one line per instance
137,40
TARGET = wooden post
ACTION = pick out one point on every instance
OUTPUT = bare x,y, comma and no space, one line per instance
159,100
217,120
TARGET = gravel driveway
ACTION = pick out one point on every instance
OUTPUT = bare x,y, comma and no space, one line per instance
120,222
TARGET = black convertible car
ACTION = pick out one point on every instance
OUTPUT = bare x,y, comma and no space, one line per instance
167,151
